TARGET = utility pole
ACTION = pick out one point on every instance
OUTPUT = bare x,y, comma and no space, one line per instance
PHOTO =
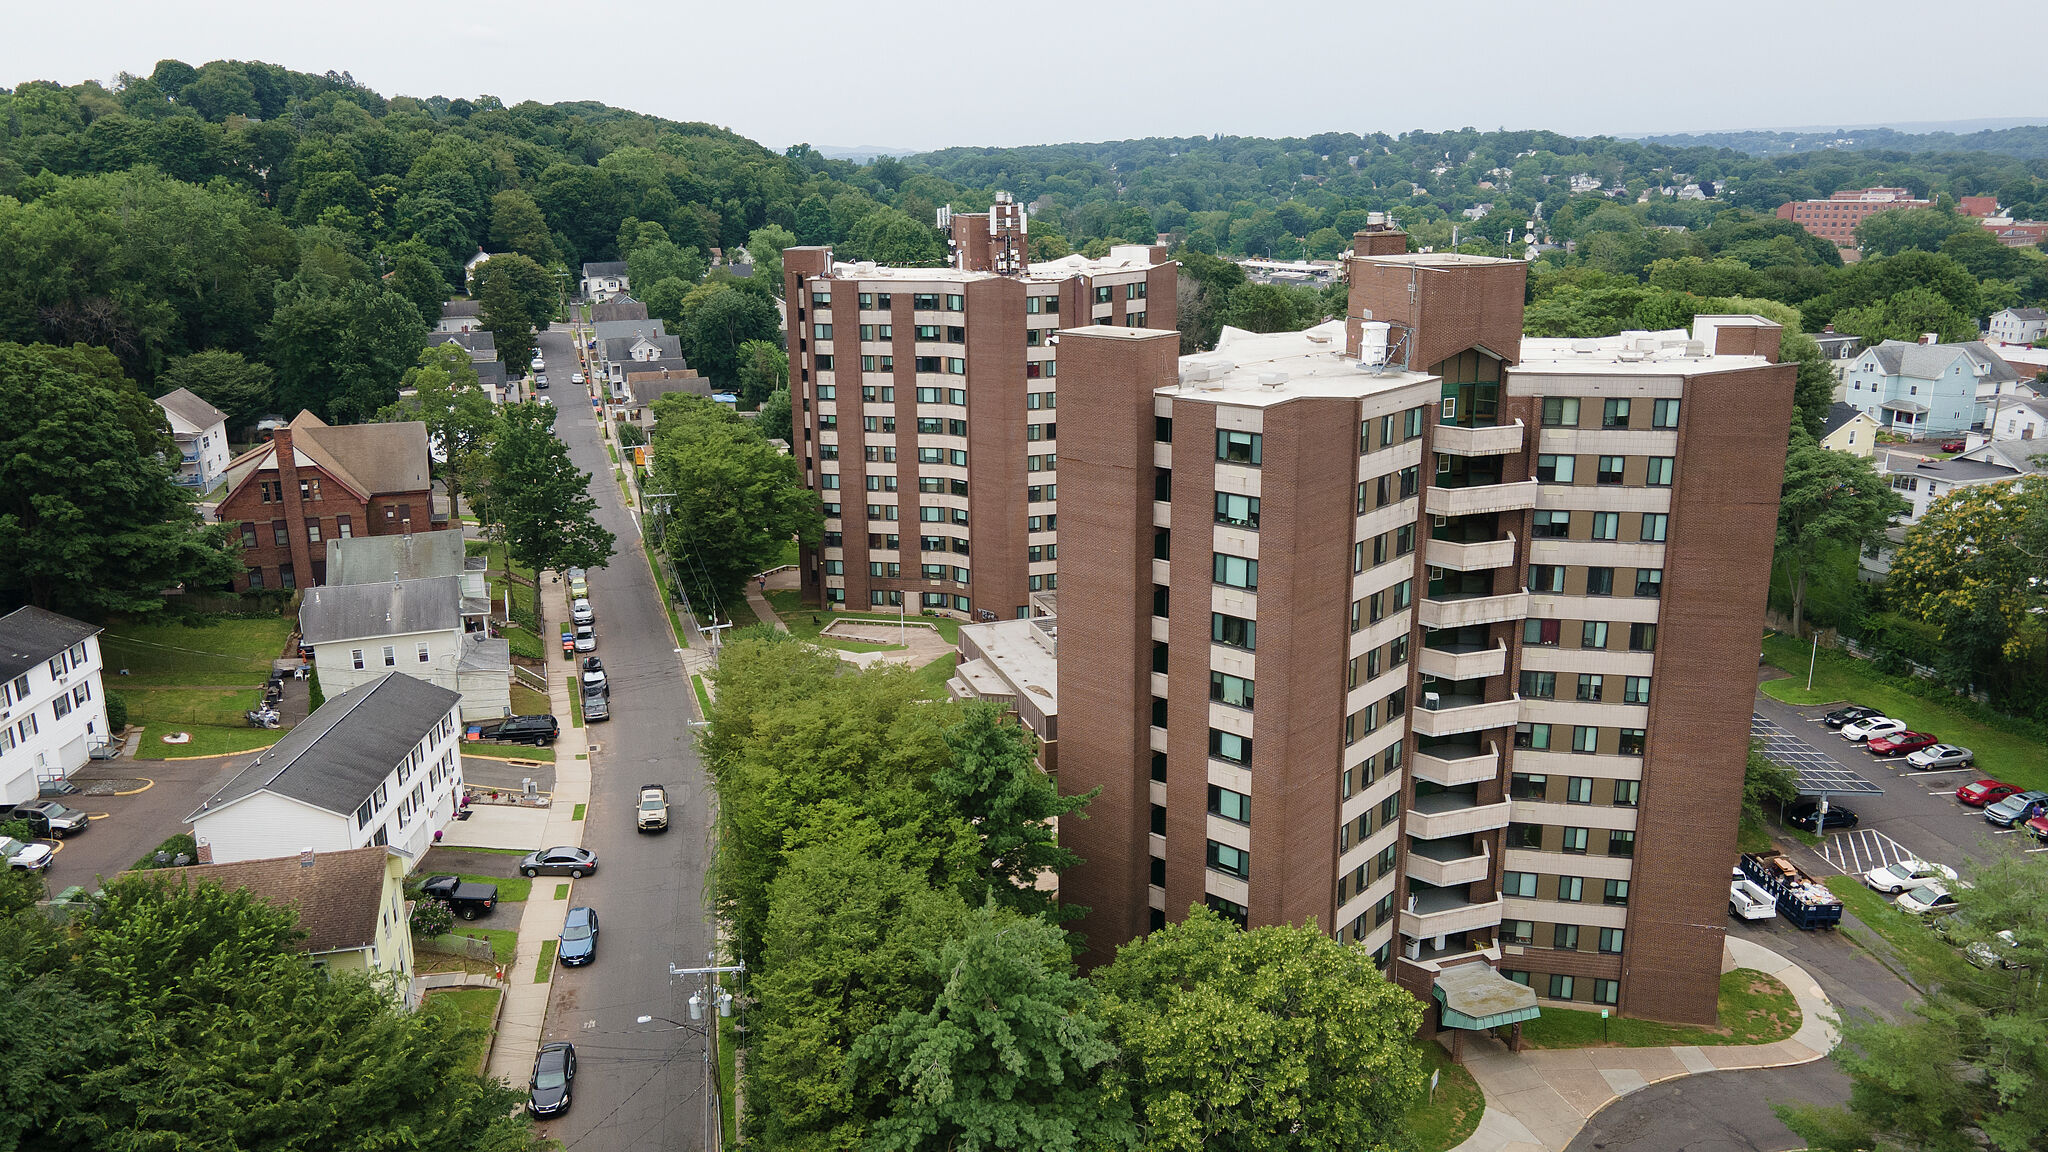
718,1001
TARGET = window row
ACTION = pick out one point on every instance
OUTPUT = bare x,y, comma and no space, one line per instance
1566,890
1367,720
272,491
1592,687
1559,524
1617,412
1580,738
421,655
1358,777
1368,822
1374,608
1367,665
1565,987
1387,431
1367,874
1657,470
1591,634
1381,491
1593,580
1382,548
1575,841
281,533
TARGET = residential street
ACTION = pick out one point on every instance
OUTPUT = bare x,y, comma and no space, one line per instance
639,1086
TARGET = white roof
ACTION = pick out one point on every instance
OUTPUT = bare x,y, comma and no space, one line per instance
1258,369
1671,352
1121,258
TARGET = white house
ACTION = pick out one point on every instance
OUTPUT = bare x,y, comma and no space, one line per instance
421,627
53,708
2019,325
381,764
201,431
460,316
604,279
470,266
1923,480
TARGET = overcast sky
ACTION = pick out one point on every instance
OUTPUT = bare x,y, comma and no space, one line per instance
931,75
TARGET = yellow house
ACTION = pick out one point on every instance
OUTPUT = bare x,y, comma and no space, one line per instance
1849,429
351,904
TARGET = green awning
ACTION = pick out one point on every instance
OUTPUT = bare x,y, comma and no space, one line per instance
1475,996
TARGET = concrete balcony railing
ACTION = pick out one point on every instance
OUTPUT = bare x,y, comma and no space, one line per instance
1493,440
1450,765
1424,923
1460,611
1463,664
1477,557
1446,869
1446,814
1454,714
1479,499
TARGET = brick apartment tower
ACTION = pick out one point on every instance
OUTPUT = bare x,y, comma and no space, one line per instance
927,414
1361,624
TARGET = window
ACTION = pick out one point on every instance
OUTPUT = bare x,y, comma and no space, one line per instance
1230,805
1655,524
1593,634
312,530
1539,685
1236,571
1617,894
1611,468
1565,937
1234,690
422,653
1238,511
1528,786
1560,411
1575,841
1230,861
1664,414
1606,525
62,706
1536,736
1642,637
1635,690
343,528
821,331
1621,842
1659,474
1542,632
1591,686
1606,991
1528,836
1585,738
1614,413
1551,523
1237,447
1571,889
272,490
1518,884
1103,293
1578,790
1560,987
248,536
256,579
1625,794
279,534
390,656
1404,539
1632,741
1649,581
1610,940
1599,581
1546,577
1235,913
1230,746
1555,469
1235,631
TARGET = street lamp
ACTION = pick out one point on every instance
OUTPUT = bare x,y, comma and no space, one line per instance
717,999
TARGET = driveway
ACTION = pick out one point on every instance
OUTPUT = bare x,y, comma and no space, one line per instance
124,828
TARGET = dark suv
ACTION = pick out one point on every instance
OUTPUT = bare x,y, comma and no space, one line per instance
537,730
50,818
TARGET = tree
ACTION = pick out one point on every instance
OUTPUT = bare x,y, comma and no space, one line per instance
719,319
1765,779
1893,232
1273,308
774,418
737,501
890,237
660,260
765,245
1971,567
90,521
539,500
341,350
994,783
1907,315
515,296
415,276
461,420
1319,1043
1830,500
1813,387
763,371
242,391
1008,1055
517,225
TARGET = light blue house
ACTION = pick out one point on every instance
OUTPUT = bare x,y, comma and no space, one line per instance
1921,390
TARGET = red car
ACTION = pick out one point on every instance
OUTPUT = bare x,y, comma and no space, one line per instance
1900,743
2039,827
1952,446
1984,792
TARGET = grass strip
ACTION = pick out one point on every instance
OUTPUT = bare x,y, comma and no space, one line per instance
1755,1008
1927,957
578,814
1443,1120
561,891
546,965
703,695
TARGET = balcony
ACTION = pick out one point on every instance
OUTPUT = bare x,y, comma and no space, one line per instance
1459,557
1493,440
1479,499
1453,764
1442,913
1445,814
1446,863
1444,714
1458,611
1463,661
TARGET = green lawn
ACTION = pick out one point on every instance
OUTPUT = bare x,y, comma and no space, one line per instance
668,601
578,814
528,702
561,891
1444,1120
524,643
545,967
1928,957
789,605
575,702
2002,752
223,651
933,676
476,1007
1755,1009
504,941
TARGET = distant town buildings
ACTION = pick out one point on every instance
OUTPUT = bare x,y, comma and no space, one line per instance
1835,218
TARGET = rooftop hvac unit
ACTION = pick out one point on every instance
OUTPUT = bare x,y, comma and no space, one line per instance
1272,379
1432,701
1372,343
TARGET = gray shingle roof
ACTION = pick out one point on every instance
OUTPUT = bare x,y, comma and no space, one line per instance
480,341
2028,313
31,635
191,409
613,329
617,308
382,559
1932,361
605,268
339,754
387,608
1955,471
484,655
2017,455
454,309
644,387
1838,415
620,350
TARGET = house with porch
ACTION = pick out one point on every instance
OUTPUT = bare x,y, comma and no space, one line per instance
201,431
604,279
380,764
423,627
1926,389
53,707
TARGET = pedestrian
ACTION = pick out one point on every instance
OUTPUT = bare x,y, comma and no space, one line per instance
764,584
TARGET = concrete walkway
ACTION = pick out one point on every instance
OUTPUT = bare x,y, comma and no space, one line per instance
1537,1100
762,608
525,1013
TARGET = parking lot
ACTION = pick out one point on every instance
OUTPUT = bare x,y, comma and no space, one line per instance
135,805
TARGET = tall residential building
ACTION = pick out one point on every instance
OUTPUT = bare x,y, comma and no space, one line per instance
1438,636
927,411
1836,217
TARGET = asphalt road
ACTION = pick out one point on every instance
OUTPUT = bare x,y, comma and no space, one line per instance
637,1086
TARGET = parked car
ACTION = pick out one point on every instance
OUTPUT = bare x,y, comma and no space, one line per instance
467,899
1995,952
581,612
596,705
586,638
1848,715
26,856
1748,900
1899,743
1981,792
579,938
579,584
540,360
1907,874
51,819
540,380
554,1074
1941,756
1871,726
575,377
593,675
2014,809
2039,827
1952,446
540,730
563,861
653,813
1806,814
1931,897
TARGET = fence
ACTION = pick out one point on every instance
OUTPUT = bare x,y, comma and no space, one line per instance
472,947
530,678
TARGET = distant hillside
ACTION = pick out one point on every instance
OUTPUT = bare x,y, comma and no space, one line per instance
2029,142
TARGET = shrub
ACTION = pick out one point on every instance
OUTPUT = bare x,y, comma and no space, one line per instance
171,849
631,435
314,697
117,711
432,918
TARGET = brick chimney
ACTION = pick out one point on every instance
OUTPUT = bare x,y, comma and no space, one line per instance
205,851
1379,237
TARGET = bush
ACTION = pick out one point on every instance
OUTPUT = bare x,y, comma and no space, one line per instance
17,830
170,849
432,918
631,435
314,698
117,711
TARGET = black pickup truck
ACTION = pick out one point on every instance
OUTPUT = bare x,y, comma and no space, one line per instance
466,899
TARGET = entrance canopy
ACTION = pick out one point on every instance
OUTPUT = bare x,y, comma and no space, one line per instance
1475,996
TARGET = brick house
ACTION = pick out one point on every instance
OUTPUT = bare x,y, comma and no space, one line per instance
314,482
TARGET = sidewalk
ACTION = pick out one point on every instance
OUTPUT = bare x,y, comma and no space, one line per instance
1537,1100
526,1003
